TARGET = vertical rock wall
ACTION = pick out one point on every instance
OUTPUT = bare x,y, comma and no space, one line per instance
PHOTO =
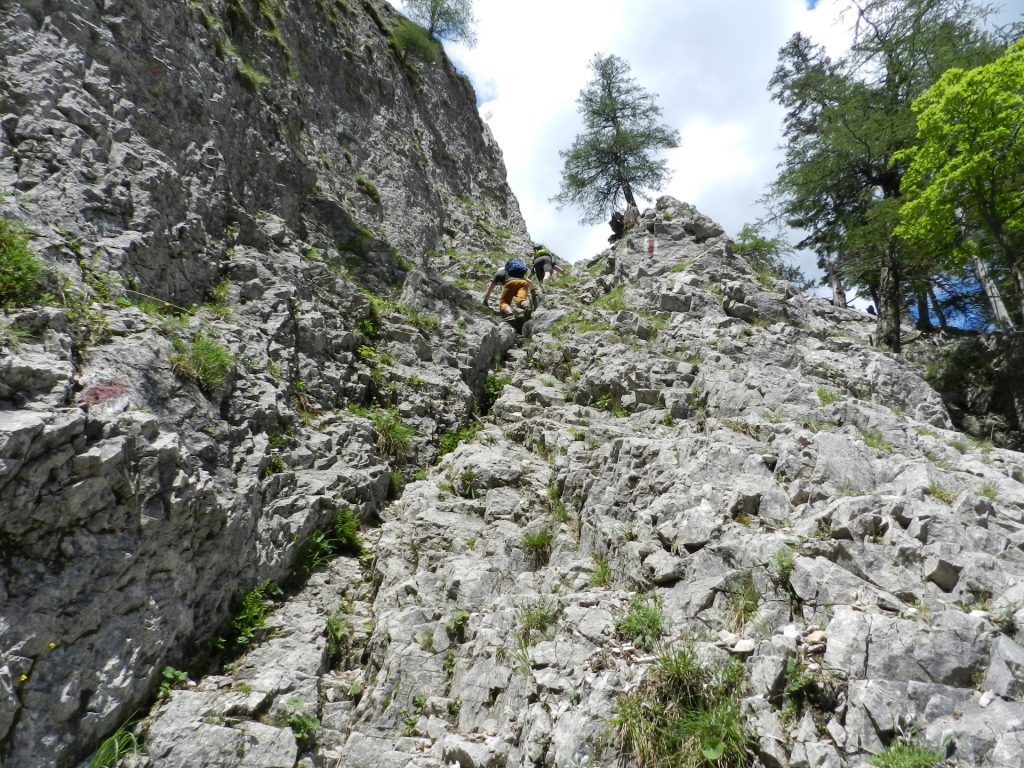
263,175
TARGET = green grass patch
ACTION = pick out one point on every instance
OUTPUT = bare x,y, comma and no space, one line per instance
613,301
826,396
203,360
940,493
21,274
538,544
685,715
601,576
368,188
644,622
907,754
876,440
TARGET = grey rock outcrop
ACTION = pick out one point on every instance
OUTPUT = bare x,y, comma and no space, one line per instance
859,557
681,455
275,182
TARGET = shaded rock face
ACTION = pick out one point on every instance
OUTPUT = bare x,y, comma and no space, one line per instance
781,494
270,181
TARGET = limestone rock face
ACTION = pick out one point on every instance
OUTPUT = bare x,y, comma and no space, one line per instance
270,180
858,558
272,230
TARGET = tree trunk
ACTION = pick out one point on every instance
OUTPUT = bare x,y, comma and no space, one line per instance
889,298
627,191
924,319
995,300
1018,284
938,309
835,280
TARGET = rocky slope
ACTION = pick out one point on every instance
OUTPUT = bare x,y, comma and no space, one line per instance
695,481
685,459
237,202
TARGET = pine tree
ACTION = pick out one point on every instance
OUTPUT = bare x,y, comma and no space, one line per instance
613,155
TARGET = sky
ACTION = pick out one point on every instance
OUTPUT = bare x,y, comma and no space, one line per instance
708,61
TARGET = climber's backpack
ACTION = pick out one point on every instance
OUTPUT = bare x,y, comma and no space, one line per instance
515,268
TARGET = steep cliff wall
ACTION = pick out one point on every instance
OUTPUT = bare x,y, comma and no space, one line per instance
253,184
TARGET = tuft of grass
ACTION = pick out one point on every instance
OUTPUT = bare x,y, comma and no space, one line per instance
685,715
368,188
21,273
12,337
614,300
827,396
536,618
116,747
410,39
644,622
203,360
876,440
538,544
450,440
904,753
940,493
742,599
783,563
989,490
601,576
394,436
249,76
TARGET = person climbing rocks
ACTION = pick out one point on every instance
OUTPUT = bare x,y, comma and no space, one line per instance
543,264
515,287
500,277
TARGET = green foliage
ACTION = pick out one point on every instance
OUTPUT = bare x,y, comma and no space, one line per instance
601,576
494,384
456,625
12,337
410,39
826,396
203,360
613,157
609,402
368,188
536,618
171,678
116,747
345,532
394,436
989,490
245,626
450,440
304,725
783,563
613,301
771,256
742,599
644,623
538,544
445,19
964,176
685,716
249,76
940,493
904,753
847,121
21,273
874,439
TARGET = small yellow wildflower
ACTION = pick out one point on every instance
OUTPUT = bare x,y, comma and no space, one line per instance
52,646
23,678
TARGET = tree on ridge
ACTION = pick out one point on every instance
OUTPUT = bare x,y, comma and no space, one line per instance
613,155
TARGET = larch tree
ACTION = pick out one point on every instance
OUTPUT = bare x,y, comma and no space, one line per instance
445,19
613,158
